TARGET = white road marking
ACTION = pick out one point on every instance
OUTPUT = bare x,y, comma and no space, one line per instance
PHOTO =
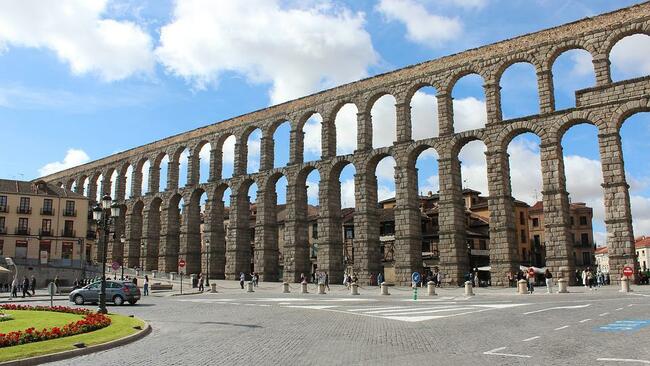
619,309
584,320
630,305
560,328
495,352
530,339
407,309
380,308
425,312
603,314
623,360
316,307
557,308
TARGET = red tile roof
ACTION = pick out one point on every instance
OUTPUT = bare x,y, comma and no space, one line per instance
642,242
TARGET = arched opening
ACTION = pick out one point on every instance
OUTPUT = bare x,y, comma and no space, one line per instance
183,163
519,91
151,240
214,232
572,70
134,236
204,163
86,185
312,137
468,95
629,57
191,232
312,215
164,172
346,129
114,184
428,185
424,114
129,181
228,157
144,188
384,121
281,140
253,143
98,188
343,205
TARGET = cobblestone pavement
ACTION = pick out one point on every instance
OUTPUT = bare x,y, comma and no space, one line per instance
495,327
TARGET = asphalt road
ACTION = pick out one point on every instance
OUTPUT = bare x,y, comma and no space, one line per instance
495,327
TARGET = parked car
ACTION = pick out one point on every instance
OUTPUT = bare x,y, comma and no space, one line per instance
117,292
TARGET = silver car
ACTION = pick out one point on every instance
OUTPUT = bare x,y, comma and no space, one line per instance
117,292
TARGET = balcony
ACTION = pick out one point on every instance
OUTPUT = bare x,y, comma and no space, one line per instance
68,233
3,230
45,232
91,235
24,210
4,209
581,244
47,211
70,213
22,231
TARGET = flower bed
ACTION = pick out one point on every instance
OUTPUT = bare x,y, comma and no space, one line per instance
91,321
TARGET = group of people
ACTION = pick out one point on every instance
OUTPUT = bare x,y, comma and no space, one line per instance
592,280
254,276
26,286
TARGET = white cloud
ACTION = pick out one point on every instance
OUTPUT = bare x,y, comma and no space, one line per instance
525,170
424,115
76,31
312,192
386,169
312,143
347,193
640,214
346,129
297,50
385,192
384,130
629,57
432,185
469,114
474,167
422,27
469,4
73,157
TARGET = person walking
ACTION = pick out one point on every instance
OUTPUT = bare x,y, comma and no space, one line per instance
14,288
33,285
242,279
26,287
201,282
327,281
380,279
585,280
530,277
549,281
56,285
145,286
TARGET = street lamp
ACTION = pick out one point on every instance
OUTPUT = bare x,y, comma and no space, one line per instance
104,215
207,275
122,241
142,256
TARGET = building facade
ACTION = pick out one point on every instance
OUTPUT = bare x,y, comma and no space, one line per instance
43,228
642,248
602,259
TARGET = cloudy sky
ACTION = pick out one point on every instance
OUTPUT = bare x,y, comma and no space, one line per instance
88,78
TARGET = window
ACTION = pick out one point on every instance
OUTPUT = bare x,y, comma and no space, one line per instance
586,258
583,220
23,226
573,238
482,244
523,254
2,224
535,222
24,205
584,239
523,236
69,209
46,227
536,240
66,250
314,231
44,246
3,203
349,232
47,207
2,247
68,229
572,221
522,218
21,249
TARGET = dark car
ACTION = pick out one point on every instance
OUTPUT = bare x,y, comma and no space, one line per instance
117,292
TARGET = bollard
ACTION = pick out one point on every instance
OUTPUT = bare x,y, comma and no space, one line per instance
213,287
384,289
522,287
321,289
303,288
625,284
431,288
468,289
562,286
285,288
172,276
354,289
249,287
153,274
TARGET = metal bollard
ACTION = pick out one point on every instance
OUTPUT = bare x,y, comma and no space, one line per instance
431,288
285,288
154,273
522,287
249,287
625,284
321,289
384,288
213,287
354,289
468,289
303,288
172,275
562,286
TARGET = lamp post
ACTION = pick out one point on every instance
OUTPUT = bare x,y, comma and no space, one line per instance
207,275
142,256
104,215
469,261
122,241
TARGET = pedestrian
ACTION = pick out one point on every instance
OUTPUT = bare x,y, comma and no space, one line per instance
14,288
439,278
33,285
145,287
380,278
135,281
242,278
26,287
327,281
201,282
530,276
549,281
585,280
373,279
476,277
303,279
56,285
313,277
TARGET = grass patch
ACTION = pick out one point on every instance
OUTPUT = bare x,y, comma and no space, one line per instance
121,326
23,319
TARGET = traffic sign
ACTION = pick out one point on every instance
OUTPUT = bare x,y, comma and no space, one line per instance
181,263
628,271
415,277
115,266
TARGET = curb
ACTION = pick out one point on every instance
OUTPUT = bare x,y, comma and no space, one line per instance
36,360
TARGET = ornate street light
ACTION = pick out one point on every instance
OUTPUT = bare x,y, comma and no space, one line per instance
122,241
142,256
207,275
104,216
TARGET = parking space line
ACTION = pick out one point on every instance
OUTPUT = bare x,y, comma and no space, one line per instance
560,328
603,314
495,352
624,360
530,339
584,320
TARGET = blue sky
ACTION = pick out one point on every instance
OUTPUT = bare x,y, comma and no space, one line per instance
95,77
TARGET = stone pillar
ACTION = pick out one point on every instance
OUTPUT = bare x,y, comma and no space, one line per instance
79,188
504,255
172,175
106,186
367,254
296,146
408,224
328,137
493,102
213,229
618,217
559,248
241,158
154,179
169,237
364,131
238,245
133,238
546,91
190,238
296,241
330,233
216,163
120,189
601,69
136,182
404,126
151,237
115,248
266,236
454,260
193,171
267,154
445,113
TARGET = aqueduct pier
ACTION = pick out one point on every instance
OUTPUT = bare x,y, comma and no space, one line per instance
154,216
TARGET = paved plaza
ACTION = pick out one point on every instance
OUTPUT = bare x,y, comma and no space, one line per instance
494,327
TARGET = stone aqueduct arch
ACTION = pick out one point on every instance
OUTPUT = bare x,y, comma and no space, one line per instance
155,216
